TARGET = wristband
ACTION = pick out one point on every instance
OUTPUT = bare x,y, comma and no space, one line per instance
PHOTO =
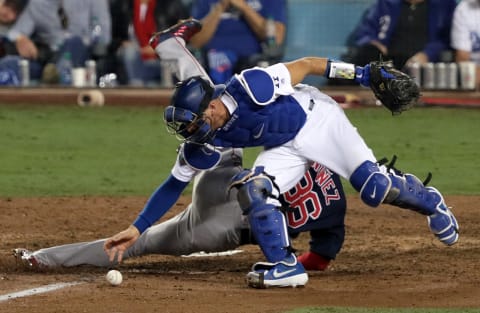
340,70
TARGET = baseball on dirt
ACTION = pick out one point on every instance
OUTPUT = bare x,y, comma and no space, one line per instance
114,277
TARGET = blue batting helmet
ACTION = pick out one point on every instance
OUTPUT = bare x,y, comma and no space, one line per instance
184,114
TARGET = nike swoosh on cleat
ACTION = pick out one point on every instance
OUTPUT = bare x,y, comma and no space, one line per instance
277,274
260,132
374,193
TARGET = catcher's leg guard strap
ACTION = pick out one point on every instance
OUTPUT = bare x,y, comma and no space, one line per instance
377,185
267,222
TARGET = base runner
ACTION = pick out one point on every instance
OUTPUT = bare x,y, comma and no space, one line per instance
214,222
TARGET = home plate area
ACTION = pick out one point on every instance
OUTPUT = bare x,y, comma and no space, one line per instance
389,259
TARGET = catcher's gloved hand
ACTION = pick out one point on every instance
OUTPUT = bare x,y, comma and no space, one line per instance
396,90
362,75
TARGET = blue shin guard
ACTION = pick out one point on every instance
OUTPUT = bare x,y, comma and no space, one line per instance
408,192
267,223
386,185
269,227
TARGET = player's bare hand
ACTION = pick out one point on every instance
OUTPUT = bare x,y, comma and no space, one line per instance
119,243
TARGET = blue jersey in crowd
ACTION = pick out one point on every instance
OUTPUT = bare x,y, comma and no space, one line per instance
233,32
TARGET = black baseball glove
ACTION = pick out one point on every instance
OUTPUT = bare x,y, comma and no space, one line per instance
396,90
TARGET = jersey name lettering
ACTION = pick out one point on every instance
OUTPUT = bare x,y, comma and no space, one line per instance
303,199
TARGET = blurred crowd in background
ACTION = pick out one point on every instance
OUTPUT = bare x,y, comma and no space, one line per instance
105,42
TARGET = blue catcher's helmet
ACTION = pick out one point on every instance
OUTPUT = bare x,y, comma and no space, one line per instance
184,114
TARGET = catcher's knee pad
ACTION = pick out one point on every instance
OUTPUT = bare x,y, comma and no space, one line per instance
372,184
256,196
254,187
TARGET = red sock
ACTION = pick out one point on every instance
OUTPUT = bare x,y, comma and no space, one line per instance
313,262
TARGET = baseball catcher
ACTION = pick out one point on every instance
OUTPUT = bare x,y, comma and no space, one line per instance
297,125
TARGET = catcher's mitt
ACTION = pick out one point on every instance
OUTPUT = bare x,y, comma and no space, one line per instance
396,90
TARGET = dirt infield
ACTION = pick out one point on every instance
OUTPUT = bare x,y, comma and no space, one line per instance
389,260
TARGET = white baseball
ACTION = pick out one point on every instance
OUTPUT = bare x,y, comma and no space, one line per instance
114,277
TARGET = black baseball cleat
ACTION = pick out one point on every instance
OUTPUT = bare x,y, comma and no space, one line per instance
184,29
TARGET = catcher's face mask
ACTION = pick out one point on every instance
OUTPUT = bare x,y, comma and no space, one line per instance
187,125
183,116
